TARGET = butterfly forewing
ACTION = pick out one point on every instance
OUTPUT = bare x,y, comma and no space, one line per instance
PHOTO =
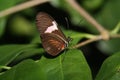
44,21
53,39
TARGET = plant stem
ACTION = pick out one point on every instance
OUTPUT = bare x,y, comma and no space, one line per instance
88,41
97,38
115,36
22,6
91,20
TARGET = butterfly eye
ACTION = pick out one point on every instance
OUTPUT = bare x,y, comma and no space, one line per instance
69,39
66,45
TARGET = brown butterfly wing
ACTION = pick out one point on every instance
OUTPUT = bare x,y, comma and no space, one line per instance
44,21
52,44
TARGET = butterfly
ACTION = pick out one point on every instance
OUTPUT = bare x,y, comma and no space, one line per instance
52,38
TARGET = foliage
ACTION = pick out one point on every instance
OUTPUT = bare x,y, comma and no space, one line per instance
22,56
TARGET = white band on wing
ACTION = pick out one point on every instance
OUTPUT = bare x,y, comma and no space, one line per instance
52,28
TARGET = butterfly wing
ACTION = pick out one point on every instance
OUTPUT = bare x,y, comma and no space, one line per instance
44,21
52,44
53,40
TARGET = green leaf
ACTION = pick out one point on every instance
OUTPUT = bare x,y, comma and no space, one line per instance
36,39
29,52
2,26
109,14
69,66
92,4
109,47
26,70
9,52
20,26
4,4
110,69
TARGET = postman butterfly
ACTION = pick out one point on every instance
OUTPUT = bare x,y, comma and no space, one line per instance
52,38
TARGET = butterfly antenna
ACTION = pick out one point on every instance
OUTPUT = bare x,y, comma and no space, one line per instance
67,22
68,28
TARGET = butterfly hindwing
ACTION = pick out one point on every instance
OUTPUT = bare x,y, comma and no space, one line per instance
52,44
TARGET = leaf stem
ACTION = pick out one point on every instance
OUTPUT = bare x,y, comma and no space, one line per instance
116,29
88,41
97,38
115,36
5,67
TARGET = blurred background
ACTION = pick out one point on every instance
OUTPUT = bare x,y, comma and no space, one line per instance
20,27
